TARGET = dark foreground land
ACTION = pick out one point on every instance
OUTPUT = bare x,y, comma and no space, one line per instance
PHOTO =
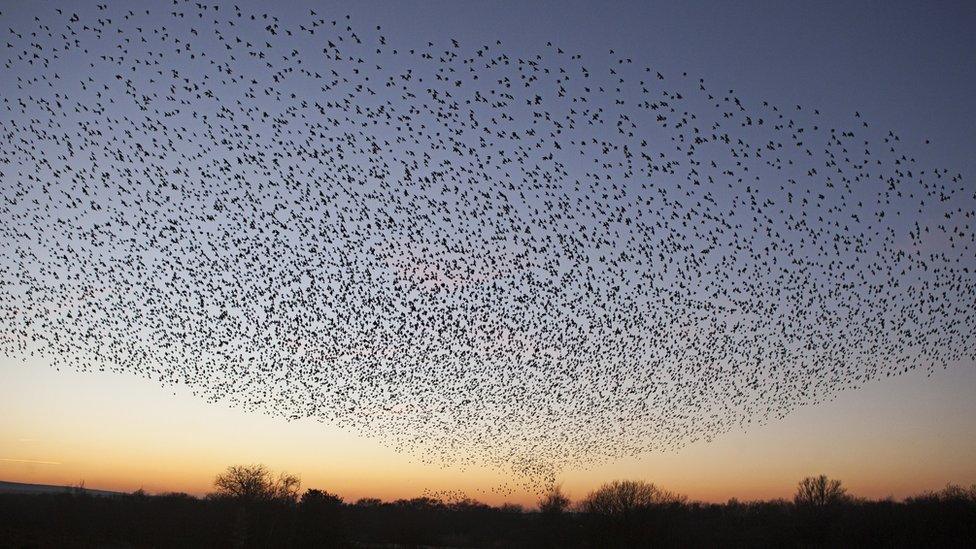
620,514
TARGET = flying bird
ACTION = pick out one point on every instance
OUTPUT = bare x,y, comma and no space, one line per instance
474,254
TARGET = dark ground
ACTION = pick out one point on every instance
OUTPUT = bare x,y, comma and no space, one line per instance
78,519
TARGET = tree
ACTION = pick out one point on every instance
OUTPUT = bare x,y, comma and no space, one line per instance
321,521
623,497
629,513
513,508
256,483
820,492
320,499
951,493
818,502
554,501
369,502
554,527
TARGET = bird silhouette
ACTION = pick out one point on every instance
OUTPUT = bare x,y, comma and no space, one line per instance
478,256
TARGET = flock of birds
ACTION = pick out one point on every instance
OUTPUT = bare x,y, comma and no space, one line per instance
528,260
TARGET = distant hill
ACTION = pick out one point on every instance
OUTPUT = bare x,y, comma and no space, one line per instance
21,488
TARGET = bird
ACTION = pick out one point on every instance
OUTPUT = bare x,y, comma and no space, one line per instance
475,255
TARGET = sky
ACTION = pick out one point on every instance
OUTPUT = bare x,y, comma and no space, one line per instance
907,66
895,437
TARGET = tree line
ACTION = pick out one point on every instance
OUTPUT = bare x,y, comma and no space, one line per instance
252,506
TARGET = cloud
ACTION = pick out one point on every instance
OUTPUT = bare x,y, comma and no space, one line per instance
35,461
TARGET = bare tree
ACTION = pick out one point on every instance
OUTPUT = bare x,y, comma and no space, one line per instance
320,498
951,493
819,492
622,497
369,502
514,508
554,501
256,482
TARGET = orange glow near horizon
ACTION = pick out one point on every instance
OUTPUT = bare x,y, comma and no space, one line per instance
894,437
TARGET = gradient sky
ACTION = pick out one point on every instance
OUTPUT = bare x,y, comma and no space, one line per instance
894,437
909,66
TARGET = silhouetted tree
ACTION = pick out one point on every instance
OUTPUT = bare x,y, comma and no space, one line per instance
553,528
554,501
820,491
950,494
622,513
321,521
260,495
320,499
623,497
817,500
945,518
514,508
256,483
369,502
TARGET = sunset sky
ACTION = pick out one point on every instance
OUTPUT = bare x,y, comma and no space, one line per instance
910,66
895,437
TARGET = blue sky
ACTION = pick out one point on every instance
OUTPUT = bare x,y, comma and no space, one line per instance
907,68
